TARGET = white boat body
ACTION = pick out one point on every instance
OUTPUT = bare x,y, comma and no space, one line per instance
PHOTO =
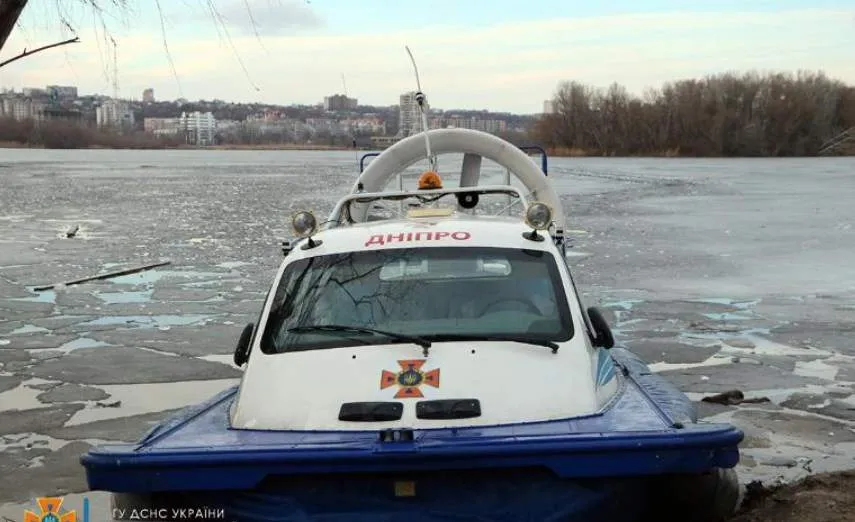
303,390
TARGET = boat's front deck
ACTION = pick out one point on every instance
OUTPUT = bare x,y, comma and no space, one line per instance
647,430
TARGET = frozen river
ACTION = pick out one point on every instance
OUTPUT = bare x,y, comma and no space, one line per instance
723,274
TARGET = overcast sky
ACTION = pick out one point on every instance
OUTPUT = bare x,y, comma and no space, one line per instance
499,55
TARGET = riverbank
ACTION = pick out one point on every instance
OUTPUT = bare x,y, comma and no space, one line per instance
562,152
574,152
824,497
16,145
277,146
552,152
274,146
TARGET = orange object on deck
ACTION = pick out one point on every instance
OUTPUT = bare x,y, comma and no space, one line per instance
430,180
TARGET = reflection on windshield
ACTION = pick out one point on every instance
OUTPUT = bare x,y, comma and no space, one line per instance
425,292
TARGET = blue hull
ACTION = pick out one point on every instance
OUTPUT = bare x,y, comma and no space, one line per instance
511,496
568,466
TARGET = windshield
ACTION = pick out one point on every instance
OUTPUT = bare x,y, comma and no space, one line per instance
426,292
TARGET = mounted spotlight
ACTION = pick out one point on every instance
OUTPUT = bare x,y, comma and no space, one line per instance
467,200
305,225
538,216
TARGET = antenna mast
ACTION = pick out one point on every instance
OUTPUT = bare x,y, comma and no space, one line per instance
115,70
420,99
352,134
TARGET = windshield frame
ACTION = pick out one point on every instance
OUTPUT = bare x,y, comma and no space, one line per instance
272,324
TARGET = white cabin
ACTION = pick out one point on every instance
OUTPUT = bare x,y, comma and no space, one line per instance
477,318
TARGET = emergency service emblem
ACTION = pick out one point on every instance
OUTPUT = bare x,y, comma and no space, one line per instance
409,379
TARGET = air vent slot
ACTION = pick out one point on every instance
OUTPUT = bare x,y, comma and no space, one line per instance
397,435
448,409
371,411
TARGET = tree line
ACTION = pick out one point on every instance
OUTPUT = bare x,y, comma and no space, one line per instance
729,114
59,134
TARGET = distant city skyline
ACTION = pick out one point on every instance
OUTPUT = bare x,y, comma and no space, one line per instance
206,122
332,102
507,58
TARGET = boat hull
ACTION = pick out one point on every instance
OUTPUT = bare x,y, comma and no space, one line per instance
517,495
580,466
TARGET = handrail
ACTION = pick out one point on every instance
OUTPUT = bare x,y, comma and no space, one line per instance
396,159
537,148
363,197
364,157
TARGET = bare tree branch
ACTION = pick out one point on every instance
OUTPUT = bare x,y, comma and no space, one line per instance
166,48
10,11
39,49
219,18
254,24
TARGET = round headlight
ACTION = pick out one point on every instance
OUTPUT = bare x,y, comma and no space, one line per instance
304,223
538,216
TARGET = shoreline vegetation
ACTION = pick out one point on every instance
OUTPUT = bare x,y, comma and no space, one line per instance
567,152
724,115
559,152
274,146
553,152
563,152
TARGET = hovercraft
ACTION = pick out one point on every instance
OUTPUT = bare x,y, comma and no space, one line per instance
435,364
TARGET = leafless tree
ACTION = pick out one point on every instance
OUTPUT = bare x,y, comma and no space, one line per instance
729,114
101,10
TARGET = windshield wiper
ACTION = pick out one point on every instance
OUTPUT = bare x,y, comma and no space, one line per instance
424,343
495,338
